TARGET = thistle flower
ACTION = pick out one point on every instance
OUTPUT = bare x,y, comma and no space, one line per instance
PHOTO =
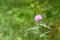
38,18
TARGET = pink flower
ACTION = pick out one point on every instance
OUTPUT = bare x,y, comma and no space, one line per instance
38,18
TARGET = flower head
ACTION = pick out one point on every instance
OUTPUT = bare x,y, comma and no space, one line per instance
38,18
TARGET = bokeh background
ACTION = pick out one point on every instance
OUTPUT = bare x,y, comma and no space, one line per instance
15,15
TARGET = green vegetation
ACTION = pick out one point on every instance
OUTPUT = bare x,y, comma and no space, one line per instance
17,15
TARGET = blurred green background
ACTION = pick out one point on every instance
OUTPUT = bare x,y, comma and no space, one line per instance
15,15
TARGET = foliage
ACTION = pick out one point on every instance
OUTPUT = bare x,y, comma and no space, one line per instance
17,15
